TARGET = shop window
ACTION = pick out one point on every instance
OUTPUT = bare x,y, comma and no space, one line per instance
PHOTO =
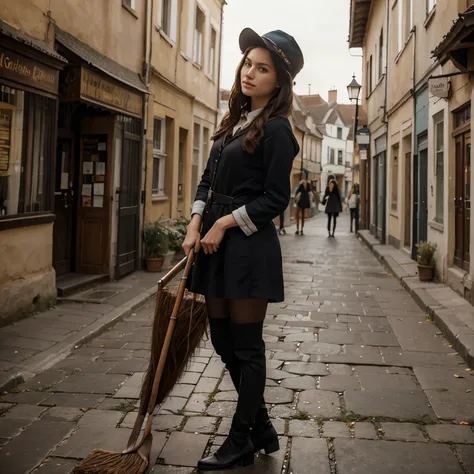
394,173
159,157
439,166
198,36
26,152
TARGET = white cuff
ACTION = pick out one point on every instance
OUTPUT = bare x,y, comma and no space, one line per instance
244,221
198,208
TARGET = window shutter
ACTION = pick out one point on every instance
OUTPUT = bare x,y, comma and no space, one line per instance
174,20
191,27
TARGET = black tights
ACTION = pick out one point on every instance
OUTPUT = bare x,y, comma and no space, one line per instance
334,223
236,334
299,215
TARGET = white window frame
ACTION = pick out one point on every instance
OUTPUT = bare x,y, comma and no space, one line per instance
198,41
159,158
430,4
132,5
212,58
402,27
172,33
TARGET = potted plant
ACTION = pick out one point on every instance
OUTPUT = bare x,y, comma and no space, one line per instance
180,228
156,241
425,258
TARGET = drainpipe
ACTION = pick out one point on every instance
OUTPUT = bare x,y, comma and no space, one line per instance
220,57
413,144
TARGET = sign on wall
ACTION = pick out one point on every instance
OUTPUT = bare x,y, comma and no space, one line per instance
439,87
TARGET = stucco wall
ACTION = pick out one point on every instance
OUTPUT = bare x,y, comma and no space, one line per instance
27,279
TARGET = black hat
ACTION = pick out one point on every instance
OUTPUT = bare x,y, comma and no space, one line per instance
281,43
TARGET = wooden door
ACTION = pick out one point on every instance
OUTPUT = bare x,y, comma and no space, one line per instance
407,236
129,199
93,207
462,201
423,197
64,208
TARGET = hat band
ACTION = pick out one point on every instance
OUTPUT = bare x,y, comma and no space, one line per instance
278,50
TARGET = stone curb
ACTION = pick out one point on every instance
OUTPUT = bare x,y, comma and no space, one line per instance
458,334
45,360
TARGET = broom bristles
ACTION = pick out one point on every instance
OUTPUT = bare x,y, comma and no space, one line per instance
109,462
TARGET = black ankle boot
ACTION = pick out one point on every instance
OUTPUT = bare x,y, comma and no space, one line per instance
264,435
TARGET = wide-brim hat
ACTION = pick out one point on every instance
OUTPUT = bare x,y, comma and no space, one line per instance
277,41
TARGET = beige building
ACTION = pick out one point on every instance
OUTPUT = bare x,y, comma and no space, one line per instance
419,106
106,109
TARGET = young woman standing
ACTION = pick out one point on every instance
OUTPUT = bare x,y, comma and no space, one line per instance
246,185
302,203
332,200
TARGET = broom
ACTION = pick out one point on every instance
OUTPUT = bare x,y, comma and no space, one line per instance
170,353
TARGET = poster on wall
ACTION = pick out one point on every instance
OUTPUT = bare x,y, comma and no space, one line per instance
86,201
100,168
88,167
98,189
5,140
86,190
98,201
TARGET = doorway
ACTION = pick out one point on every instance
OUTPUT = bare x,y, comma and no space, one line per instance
423,189
407,200
380,196
64,208
462,201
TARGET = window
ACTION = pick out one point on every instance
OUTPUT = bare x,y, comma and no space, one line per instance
381,54
370,76
331,161
198,36
196,158
212,54
26,149
183,135
394,200
430,4
339,133
159,157
168,18
339,157
405,17
439,166
129,3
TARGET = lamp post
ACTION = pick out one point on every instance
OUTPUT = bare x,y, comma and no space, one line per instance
353,90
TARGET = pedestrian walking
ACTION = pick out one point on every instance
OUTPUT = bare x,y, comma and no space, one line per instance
302,203
332,201
245,185
353,201
281,229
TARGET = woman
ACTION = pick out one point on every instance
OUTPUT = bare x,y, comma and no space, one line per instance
302,203
332,200
246,185
353,203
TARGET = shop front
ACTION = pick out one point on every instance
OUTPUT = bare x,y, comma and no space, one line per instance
29,81
98,167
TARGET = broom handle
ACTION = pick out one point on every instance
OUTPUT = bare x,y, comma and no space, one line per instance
172,273
165,349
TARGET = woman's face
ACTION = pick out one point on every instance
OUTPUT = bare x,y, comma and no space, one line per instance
258,76
331,186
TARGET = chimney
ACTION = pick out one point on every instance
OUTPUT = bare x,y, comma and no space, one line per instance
332,96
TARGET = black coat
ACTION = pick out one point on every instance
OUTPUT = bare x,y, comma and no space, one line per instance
248,262
332,201
304,201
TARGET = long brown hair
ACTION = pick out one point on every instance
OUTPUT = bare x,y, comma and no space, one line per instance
279,105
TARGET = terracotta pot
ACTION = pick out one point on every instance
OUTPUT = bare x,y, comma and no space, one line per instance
425,272
154,264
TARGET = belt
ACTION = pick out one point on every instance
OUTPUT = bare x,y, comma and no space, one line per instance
239,200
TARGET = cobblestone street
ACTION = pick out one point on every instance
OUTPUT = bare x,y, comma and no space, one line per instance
359,382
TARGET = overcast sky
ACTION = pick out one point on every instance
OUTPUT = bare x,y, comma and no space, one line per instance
321,28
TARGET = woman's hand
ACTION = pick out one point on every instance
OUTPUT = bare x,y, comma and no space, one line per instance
192,235
211,241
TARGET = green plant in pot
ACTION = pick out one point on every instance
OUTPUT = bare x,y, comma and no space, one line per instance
425,258
179,230
156,240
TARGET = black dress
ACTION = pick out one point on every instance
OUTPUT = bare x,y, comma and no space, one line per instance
248,262
333,201
304,202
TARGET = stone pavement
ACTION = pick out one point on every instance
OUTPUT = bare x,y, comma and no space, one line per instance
451,312
360,381
35,344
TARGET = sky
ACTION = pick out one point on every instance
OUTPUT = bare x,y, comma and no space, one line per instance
321,28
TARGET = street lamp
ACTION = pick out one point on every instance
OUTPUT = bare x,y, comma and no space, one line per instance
354,89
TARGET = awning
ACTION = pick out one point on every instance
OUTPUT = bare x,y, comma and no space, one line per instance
458,42
27,40
359,16
99,61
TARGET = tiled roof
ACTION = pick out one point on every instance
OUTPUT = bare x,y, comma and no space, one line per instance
27,40
311,100
99,61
